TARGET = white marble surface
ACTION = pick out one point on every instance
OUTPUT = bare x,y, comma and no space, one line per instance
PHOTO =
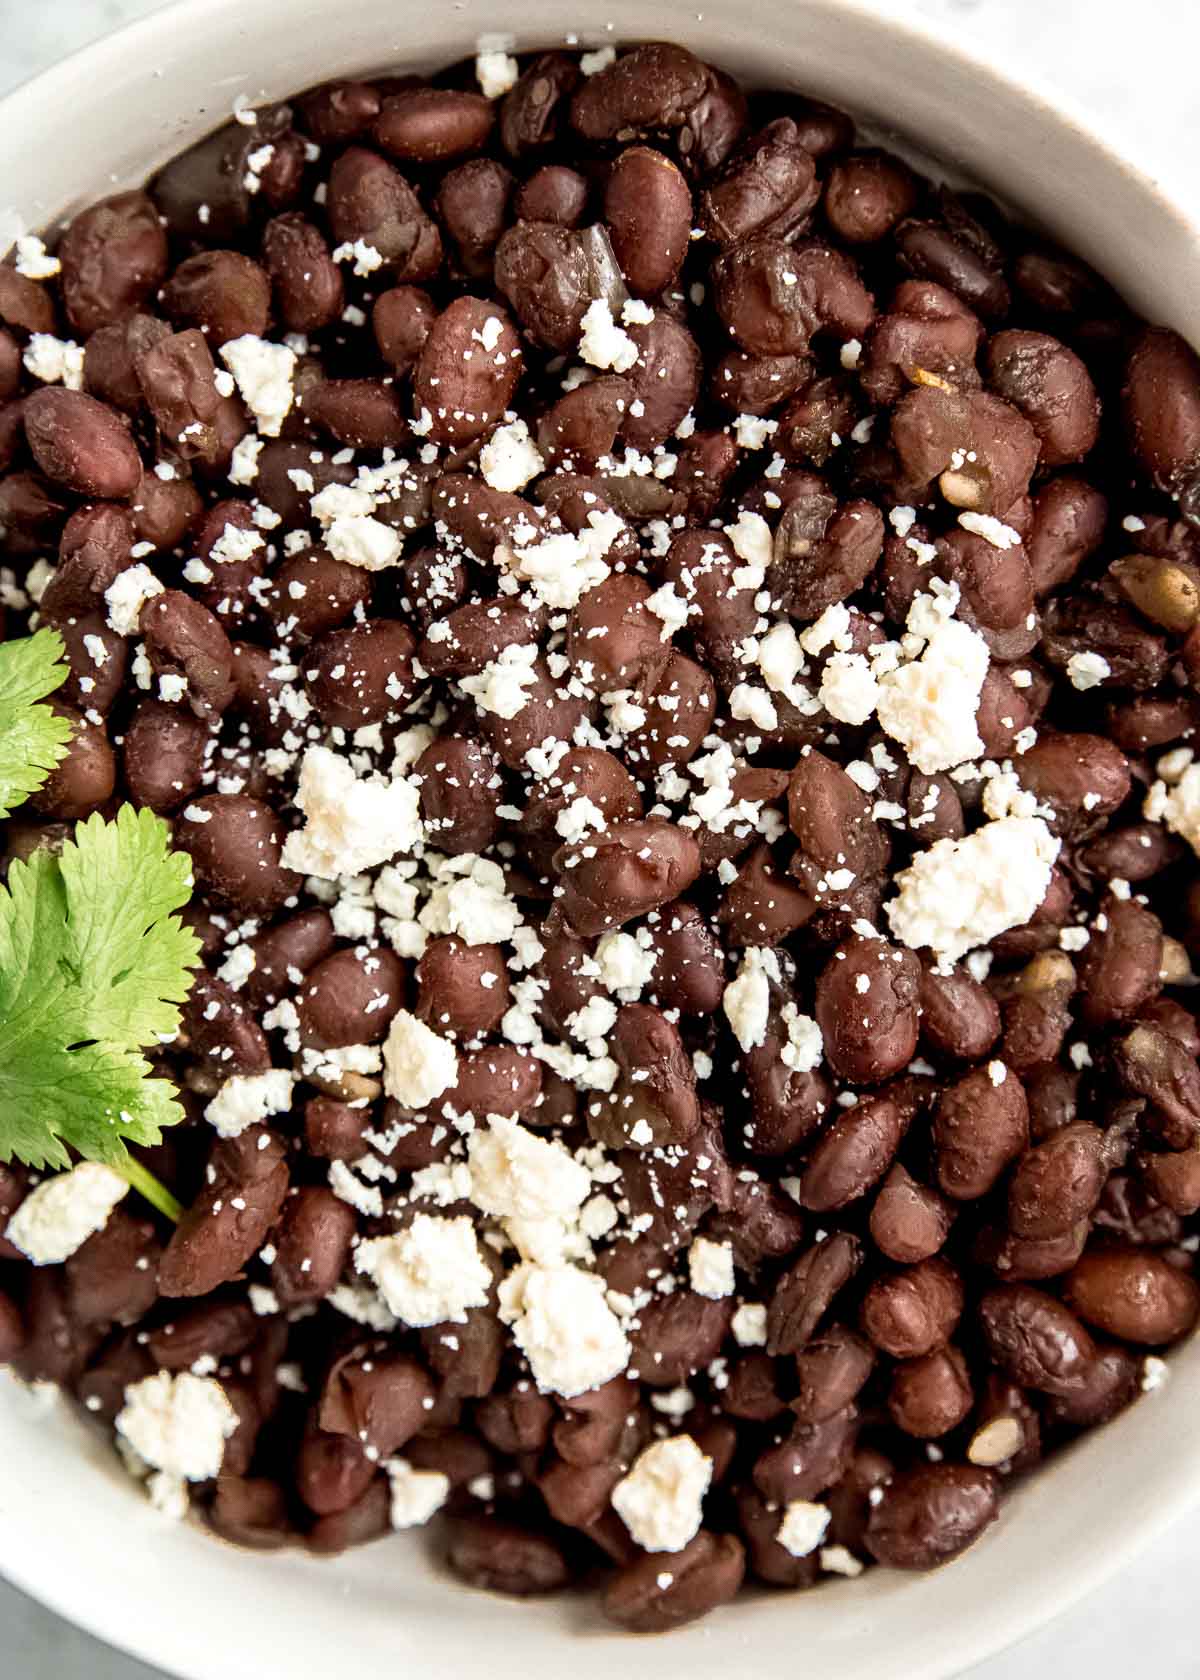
1132,67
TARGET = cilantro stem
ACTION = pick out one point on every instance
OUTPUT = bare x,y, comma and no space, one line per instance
144,1182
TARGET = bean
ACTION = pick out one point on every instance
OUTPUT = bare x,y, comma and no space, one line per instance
312,1245
959,1017
473,207
707,1573
870,1031
379,1400
1151,1063
235,844
913,1312
812,1458
930,1514
501,1557
362,675
651,88
930,252
1119,967
768,186
1161,404
230,1218
831,1371
851,1155
632,868
368,200
81,444
460,792
979,1127
1049,384
1037,1340
1057,1183
866,194
185,643
774,298
113,255
909,1221
223,293
677,1335
467,370
932,1395
1133,1293
348,998
429,125
806,1290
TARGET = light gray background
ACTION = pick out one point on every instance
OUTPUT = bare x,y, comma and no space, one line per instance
1133,66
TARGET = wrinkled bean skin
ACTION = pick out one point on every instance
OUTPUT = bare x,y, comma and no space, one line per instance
1049,384
804,1292
1057,1183
930,1514
1036,1339
113,256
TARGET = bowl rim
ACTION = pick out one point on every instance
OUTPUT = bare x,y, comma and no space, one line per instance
970,1640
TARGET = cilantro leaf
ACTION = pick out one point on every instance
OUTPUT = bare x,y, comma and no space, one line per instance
32,738
92,966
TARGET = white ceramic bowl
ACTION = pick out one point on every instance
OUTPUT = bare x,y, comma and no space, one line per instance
74,1531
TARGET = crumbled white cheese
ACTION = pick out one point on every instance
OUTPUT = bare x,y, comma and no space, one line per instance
246,1099
471,899
805,1046
263,372
496,72
432,1272
127,594
958,894
661,1500
500,688
178,1423
930,704
61,1213
602,343
562,1322
243,463
849,689
510,458
991,529
532,1183
563,566
751,539
418,1064
626,965
1088,670
837,1560
352,823
593,62
749,1325
710,1268
55,360
1178,806
803,1528
416,1495
33,259
363,541
365,257
747,999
